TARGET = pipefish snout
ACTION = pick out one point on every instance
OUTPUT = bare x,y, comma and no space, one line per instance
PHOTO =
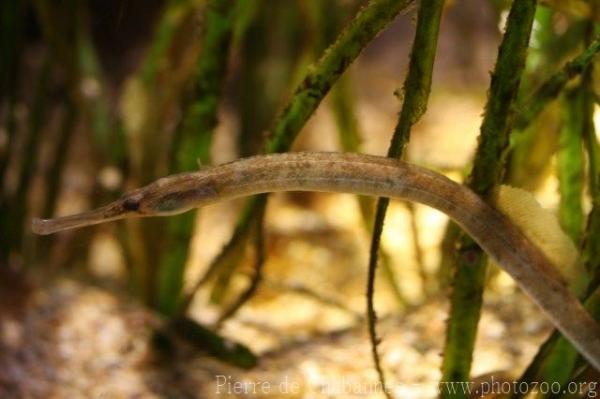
365,175
167,196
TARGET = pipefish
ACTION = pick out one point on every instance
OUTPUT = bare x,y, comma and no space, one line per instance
366,175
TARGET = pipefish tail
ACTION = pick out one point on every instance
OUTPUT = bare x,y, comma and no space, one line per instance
365,175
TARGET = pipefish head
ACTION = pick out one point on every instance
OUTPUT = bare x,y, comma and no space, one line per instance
171,195
124,207
166,196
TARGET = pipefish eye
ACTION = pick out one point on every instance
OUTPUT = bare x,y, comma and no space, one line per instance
131,204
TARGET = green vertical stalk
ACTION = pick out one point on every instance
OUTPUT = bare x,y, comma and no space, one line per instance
193,146
591,246
200,117
371,20
109,141
12,227
150,159
162,39
147,157
589,137
470,269
527,164
276,37
556,358
345,117
542,39
10,11
570,165
60,151
417,86
229,256
259,244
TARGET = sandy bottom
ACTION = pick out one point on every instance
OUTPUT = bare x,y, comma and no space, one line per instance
71,340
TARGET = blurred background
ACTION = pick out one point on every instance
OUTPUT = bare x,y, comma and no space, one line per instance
100,97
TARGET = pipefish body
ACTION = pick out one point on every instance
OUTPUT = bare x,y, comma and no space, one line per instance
365,175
